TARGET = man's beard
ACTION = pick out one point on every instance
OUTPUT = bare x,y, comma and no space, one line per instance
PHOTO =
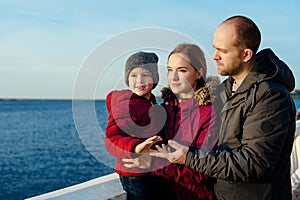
236,68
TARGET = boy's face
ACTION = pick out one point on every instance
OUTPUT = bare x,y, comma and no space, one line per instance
140,82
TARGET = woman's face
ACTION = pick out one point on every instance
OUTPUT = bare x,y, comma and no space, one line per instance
140,82
182,76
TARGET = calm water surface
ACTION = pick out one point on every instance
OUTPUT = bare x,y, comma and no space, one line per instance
41,150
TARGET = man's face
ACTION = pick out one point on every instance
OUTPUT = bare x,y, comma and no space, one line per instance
227,56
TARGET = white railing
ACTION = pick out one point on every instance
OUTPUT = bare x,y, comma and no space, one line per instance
104,188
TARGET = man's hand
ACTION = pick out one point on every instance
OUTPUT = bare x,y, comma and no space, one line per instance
177,156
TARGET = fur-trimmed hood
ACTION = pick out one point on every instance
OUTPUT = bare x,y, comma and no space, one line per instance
205,95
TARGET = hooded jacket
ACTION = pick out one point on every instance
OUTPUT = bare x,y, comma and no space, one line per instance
129,123
191,122
252,160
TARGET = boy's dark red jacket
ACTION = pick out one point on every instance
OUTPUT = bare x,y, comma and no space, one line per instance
128,125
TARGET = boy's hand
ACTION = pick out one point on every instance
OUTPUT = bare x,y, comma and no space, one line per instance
142,162
145,146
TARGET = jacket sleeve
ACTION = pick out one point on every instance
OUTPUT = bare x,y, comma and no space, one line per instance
117,142
266,139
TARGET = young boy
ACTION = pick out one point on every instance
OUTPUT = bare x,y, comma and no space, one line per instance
130,128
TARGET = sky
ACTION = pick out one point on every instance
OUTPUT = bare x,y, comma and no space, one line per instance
63,49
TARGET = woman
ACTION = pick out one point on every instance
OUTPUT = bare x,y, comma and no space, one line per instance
191,119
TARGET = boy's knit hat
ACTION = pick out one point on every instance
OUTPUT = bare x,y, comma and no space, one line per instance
145,60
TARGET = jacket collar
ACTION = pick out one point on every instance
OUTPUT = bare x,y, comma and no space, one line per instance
135,96
268,67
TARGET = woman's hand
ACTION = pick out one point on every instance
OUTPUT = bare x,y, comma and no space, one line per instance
145,146
176,156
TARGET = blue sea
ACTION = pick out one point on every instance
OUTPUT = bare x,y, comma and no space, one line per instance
41,149
46,145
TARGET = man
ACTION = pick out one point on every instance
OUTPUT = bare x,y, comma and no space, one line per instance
252,160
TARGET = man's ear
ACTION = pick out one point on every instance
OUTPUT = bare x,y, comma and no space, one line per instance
247,55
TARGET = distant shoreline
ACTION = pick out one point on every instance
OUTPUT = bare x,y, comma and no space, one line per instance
49,99
294,96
